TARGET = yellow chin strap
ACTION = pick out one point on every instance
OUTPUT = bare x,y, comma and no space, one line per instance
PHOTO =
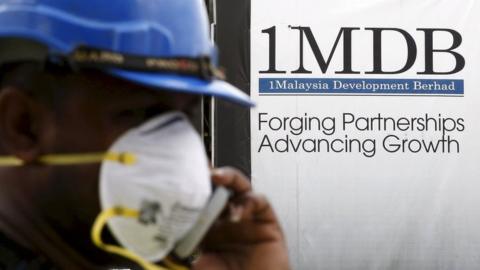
96,233
125,158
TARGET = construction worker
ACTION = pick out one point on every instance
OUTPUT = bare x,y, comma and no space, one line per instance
99,165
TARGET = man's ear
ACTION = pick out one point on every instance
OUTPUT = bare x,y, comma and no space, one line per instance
19,122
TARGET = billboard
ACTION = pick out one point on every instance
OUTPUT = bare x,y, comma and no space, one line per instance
366,134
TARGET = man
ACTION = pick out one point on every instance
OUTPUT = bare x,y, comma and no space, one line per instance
75,76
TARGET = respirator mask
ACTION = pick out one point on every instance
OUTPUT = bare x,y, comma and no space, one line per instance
155,191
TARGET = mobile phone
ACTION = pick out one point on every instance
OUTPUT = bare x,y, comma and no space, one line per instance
209,214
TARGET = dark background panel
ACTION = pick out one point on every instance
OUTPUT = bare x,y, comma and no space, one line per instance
232,122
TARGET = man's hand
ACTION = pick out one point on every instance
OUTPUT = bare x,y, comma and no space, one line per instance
248,236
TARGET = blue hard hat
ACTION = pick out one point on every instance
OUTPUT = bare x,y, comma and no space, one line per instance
175,31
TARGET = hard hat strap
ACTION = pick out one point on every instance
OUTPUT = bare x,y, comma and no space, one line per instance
88,57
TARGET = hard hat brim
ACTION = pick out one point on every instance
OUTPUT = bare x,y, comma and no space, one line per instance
186,84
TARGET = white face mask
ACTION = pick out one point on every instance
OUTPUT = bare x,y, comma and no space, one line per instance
154,188
168,181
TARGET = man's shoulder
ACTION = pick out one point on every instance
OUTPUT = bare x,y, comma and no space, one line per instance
14,256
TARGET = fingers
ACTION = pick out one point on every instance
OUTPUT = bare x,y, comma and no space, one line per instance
254,207
249,217
223,235
232,179
246,205
256,224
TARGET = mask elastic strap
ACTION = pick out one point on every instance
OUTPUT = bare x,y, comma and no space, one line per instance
125,158
101,222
